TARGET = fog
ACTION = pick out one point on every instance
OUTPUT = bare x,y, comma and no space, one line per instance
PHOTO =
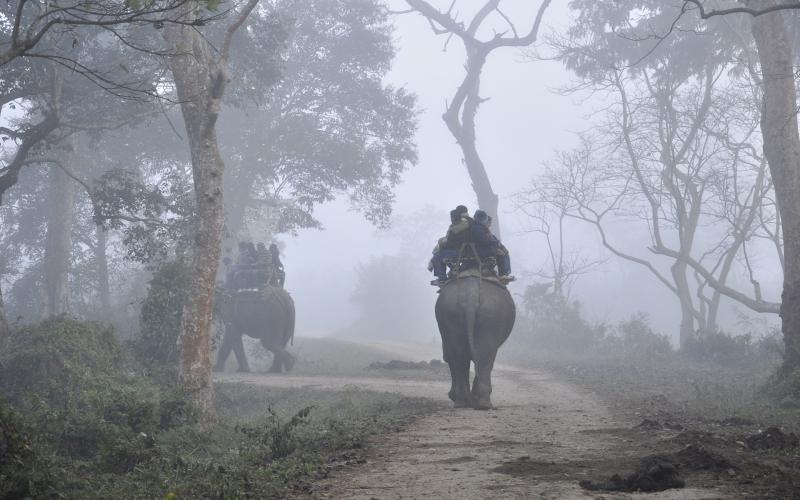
399,249
526,120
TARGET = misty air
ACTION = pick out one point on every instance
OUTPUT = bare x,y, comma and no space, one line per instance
399,249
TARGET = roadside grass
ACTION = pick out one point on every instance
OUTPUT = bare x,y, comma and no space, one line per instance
672,406
80,419
671,386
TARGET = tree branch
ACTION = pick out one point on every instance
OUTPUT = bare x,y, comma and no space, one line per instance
704,14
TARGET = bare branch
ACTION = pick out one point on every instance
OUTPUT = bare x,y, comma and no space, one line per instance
704,14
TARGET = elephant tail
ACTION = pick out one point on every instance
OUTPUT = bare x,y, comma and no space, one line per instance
469,299
471,314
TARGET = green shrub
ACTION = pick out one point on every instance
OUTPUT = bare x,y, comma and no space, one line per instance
74,383
104,430
721,348
161,315
636,337
551,322
53,358
784,387
274,439
23,474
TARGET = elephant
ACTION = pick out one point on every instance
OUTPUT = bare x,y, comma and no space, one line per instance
265,314
475,316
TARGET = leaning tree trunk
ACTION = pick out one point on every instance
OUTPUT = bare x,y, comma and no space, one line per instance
463,129
58,245
200,78
782,150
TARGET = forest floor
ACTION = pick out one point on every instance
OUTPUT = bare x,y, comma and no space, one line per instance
546,436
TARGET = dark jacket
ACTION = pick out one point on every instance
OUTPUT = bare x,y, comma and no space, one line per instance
458,233
485,242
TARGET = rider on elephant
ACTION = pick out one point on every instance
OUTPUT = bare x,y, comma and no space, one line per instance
487,245
448,247
275,258
238,277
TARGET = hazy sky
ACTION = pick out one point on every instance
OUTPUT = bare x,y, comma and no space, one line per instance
520,127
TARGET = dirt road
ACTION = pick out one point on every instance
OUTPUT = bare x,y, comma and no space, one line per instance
540,441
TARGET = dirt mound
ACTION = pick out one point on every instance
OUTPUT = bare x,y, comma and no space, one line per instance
654,425
771,439
696,457
690,437
736,422
396,364
662,472
652,475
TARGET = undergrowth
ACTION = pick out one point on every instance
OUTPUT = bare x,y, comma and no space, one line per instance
80,418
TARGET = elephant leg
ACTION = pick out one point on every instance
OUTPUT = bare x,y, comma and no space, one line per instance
224,349
278,357
459,371
482,385
288,361
238,350
458,361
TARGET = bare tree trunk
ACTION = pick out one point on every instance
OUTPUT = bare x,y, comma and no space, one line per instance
782,149
461,111
58,245
4,328
104,289
463,129
678,270
200,78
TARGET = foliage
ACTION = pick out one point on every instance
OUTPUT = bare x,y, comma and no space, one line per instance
719,347
785,387
87,423
635,336
552,322
303,145
23,473
78,389
44,359
154,216
161,314
275,439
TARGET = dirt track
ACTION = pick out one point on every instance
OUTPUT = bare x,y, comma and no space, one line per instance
542,439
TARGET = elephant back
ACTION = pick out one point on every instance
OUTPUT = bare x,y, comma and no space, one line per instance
267,312
489,302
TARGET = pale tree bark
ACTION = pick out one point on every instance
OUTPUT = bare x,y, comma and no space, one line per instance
58,244
101,259
782,149
200,75
463,108
4,328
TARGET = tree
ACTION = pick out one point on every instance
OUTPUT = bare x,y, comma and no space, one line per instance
329,126
463,108
46,93
672,139
45,30
781,147
782,150
549,211
200,76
